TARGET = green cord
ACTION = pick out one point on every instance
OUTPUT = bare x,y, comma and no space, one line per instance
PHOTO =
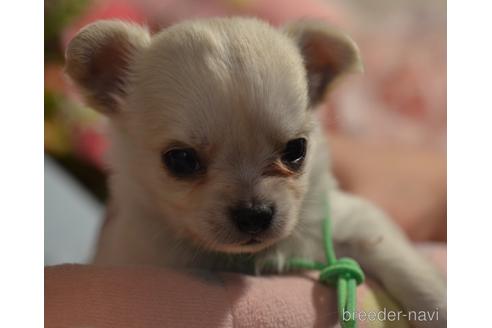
344,273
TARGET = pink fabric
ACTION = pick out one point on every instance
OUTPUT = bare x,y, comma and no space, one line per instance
92,296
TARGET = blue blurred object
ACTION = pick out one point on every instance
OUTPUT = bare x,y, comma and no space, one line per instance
72,218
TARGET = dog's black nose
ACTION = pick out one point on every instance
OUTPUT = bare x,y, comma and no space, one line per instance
252,219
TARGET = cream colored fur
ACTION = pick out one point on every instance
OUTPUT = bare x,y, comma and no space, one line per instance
236,90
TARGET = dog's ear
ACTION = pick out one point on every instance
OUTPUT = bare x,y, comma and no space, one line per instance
98,61
328,55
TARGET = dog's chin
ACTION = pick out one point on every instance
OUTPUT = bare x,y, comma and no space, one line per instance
242,249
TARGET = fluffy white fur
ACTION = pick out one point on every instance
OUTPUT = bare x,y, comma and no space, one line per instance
236,90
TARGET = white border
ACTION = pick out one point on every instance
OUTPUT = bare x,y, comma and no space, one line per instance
469,162
21,164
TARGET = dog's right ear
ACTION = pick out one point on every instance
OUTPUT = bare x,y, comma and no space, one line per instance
98,60
328,55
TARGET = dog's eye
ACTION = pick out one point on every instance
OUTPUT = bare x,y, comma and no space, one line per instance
182,162
294,153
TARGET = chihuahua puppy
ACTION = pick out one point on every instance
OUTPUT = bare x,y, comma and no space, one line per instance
217,158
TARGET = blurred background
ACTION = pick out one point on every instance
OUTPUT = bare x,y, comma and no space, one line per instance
387,126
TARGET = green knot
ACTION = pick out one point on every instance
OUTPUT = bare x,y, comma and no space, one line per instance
343,268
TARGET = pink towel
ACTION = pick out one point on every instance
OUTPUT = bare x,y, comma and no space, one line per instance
92,296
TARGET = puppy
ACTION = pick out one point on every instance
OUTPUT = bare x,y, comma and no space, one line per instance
217,158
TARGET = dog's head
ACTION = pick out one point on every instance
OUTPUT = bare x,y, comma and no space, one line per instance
213,118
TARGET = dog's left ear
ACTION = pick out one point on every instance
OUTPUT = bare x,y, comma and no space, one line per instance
328,54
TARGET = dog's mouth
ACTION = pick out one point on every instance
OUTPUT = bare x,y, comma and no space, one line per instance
251,244
222,240
251,241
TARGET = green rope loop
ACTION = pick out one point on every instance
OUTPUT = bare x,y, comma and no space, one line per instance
344,273
344,268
